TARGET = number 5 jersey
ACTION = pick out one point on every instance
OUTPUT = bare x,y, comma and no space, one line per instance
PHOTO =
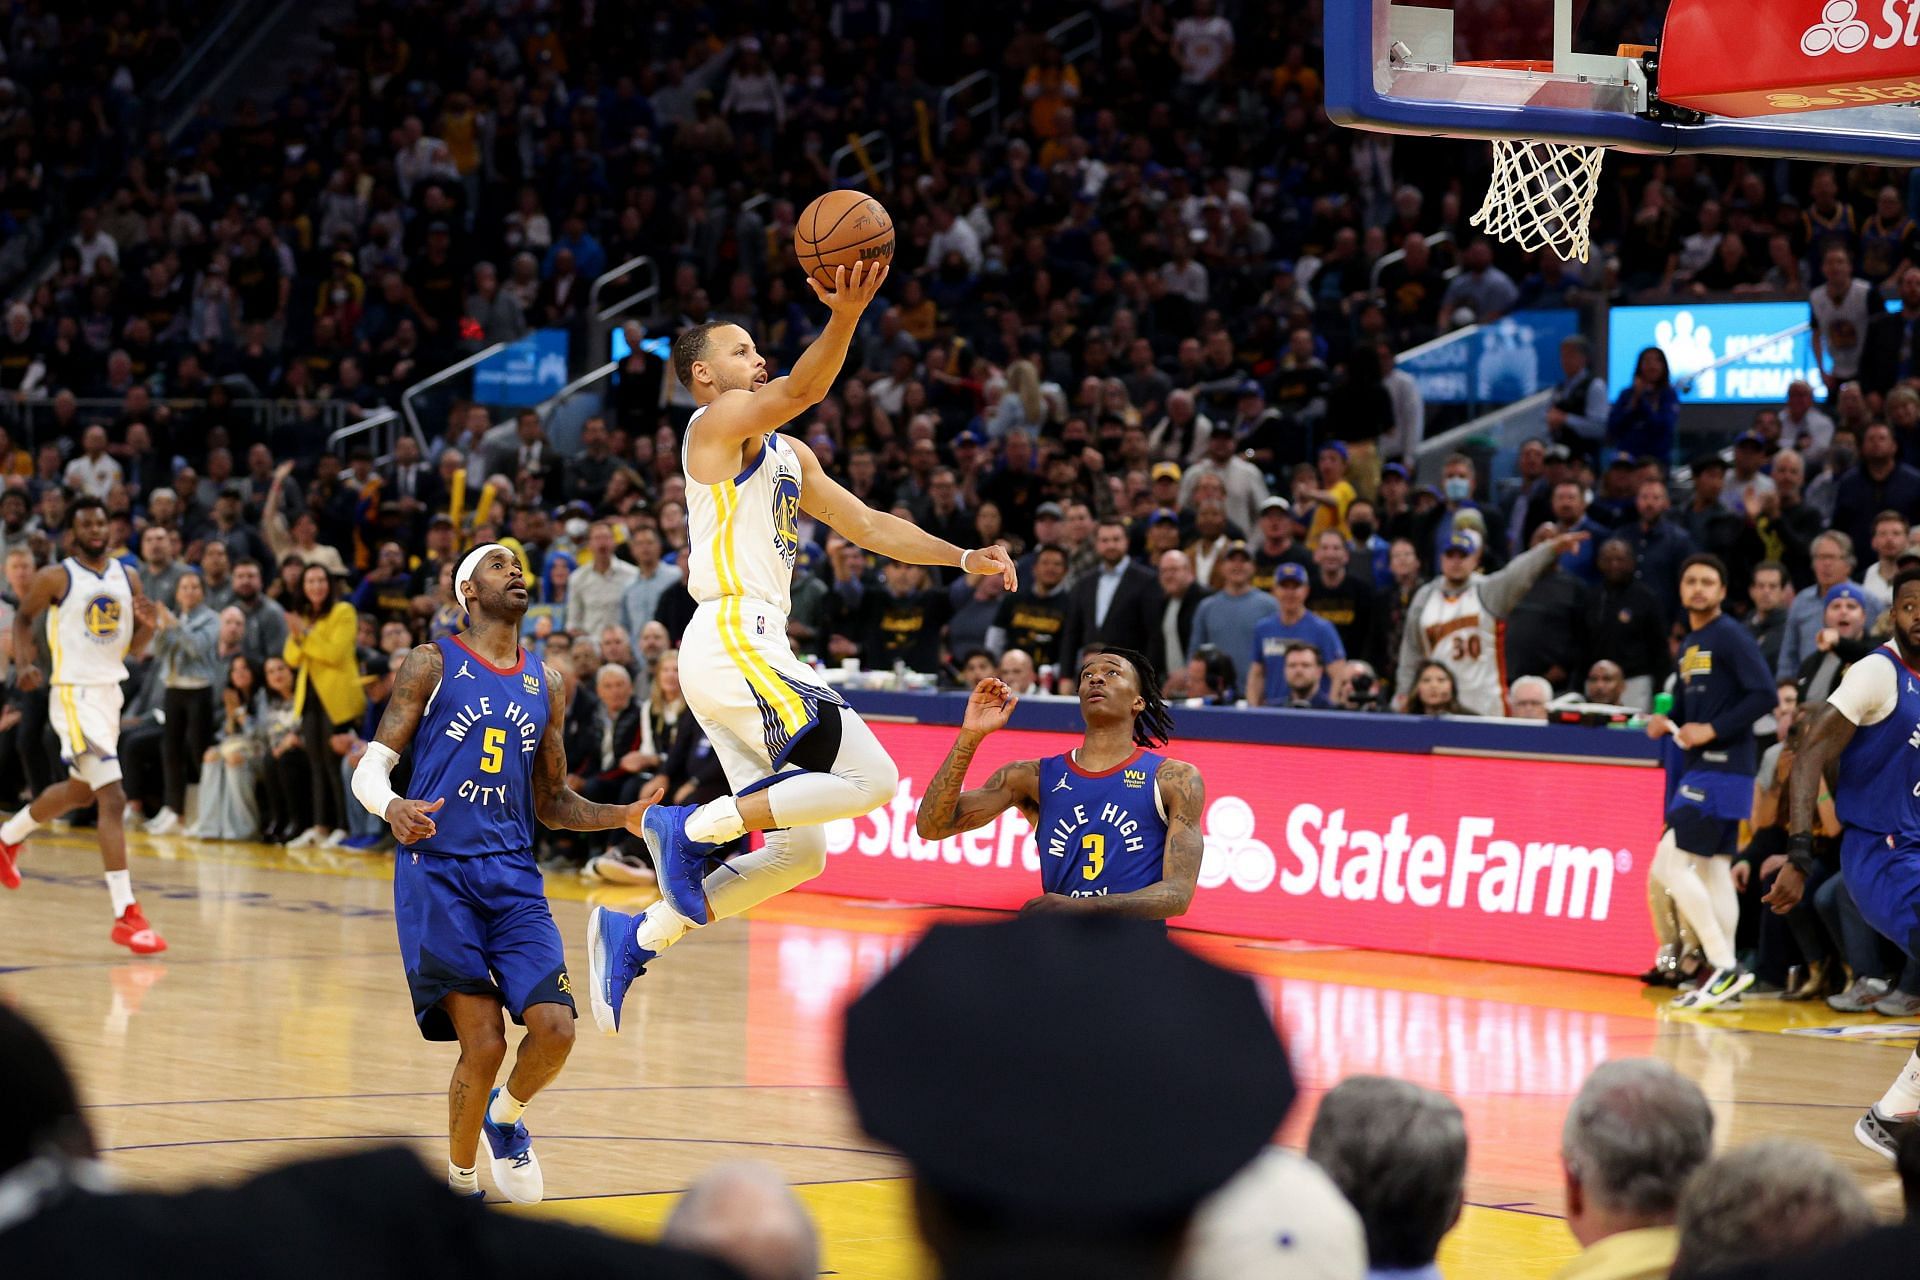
475,749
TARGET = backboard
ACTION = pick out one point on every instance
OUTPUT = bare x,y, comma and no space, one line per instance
1540,69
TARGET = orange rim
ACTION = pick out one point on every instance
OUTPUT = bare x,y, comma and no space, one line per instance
1538,65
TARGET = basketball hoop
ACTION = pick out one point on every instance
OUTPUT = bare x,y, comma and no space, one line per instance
1542,194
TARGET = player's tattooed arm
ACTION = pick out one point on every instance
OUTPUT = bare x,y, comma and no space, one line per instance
947,809
558,806
1185,795
419,677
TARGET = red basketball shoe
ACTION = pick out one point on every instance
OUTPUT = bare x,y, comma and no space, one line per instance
133,932
10,865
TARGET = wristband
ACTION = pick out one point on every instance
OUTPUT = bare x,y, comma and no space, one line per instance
1800,852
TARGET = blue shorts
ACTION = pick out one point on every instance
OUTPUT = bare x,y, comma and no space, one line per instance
1706,810
1883,875
480,925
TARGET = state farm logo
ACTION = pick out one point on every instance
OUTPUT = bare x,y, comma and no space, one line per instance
1499,876
1839,28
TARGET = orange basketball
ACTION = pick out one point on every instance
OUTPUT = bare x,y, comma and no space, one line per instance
840,229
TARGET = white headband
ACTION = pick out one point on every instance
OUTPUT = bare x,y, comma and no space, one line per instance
466,571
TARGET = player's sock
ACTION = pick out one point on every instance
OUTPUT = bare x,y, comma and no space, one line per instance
506,1110
1903,1095
716,822
1717,875
790,857
120,889
19,826
1675,869
660,927
462,1182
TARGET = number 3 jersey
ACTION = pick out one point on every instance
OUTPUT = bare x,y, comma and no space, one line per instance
1100,833
475,749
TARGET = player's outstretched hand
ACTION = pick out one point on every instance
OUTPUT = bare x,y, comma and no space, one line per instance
1568,541
993,559
989,707
852,290
650,795
1788,885
412,820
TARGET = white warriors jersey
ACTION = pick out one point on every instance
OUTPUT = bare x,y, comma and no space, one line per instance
89,631
744,533
1463,636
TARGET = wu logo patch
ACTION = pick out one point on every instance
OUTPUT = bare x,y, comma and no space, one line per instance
1063,784
1135,778
465,671
530,682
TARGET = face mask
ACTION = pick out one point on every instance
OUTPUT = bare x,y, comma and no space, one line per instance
1457,488
1362,531
577,529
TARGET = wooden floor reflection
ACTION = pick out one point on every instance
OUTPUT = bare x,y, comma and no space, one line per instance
277,1026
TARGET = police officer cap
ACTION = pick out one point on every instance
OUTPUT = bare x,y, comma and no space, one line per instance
1067,1072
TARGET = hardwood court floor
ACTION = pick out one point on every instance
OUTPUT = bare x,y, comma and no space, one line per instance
278,1027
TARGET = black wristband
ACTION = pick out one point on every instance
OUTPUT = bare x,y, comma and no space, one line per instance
1800,852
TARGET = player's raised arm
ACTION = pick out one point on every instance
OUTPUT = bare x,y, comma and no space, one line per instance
1184,793
823,498
559,806
411,820
740,415
42,591
947,810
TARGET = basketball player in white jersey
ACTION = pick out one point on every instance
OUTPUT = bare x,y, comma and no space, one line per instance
796,756
1456,618
96,615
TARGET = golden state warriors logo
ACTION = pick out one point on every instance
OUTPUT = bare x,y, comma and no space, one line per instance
786,517
102,616
1696,662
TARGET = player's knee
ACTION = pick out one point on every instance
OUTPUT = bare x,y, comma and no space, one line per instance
880,779
807,851
552,1031
484,1050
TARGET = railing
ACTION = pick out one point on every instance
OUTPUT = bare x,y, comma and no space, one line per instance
875,149
631,267
32,416
1077,37
1400,255
383,425
1684,383
985,103
1505,427
433,380
239,58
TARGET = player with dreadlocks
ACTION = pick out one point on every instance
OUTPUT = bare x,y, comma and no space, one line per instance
1117,824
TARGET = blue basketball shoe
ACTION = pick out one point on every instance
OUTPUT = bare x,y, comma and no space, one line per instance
516,1170
614,960
679,862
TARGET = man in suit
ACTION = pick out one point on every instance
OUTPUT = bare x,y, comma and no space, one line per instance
412,482
530,453
1181,594
1116,602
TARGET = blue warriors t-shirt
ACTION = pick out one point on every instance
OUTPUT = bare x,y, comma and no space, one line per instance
475,748
1725,682
1100,833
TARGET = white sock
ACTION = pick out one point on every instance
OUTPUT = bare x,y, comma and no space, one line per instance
659,928
18,827
505,1110
1903,1095
120,889
716,822
1677,870
461,1182
1717,875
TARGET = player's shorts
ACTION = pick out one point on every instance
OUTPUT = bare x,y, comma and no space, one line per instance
86,717
480,925
1883,875
1706,810
755,700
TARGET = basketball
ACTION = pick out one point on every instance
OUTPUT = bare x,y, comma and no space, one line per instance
840,229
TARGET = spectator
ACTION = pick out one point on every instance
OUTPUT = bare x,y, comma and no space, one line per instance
1832,565
1229,618
1606,684
1578,413
1527,698
1645,418
1842,308
1305,677
1770,593
596,592
1280,1218
1117,603
1033,618
1626,622
1770,1200
1480,290
328,696
744,1214
1017,673
1181,596
1880,483
230,769
1246,489
1890,530
1276,632
1803,426
94,472
1338,597
1546,633
1433,692
1634,1135
184,647
1843,625
1748,486
1398,1152
1454,618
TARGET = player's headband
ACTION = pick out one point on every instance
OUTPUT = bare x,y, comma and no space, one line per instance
467,569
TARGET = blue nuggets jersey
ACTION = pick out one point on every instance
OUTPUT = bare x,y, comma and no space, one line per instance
1100,833
1878,788
475,748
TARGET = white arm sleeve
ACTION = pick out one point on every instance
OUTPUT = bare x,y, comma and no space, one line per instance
1869,692
372,785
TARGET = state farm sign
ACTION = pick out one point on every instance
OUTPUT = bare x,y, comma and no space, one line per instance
1793,55
1542,863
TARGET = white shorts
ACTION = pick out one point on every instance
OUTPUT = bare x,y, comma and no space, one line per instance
743,684
87,719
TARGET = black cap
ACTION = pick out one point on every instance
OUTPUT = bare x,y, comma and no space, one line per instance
1709,462
959,1055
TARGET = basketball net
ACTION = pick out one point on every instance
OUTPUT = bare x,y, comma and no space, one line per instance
1542,194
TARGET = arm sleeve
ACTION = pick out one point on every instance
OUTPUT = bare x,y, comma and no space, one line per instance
1503,590
1410,654
1868,693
